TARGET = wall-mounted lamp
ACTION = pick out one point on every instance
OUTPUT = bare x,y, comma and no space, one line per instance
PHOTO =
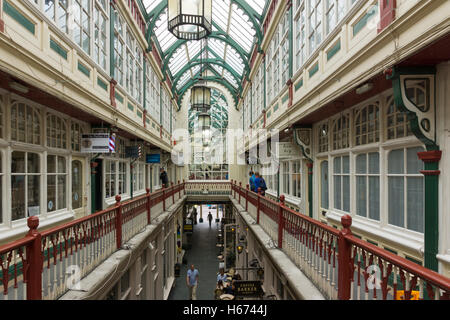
240,248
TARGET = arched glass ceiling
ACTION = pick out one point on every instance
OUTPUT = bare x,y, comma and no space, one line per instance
236,28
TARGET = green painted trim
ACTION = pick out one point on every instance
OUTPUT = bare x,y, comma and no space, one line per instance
139,114
119,97
144,85
269,113
275,108
58,49
130,106
372,242
314,69
19,17
291,42
84,70
285,98
147,121
299,85
333,50
431,234
390,250
102,84
414,260
357,27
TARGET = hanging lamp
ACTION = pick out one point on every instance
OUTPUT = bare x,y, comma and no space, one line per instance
190,19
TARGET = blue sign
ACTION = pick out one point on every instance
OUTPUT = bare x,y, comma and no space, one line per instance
153,158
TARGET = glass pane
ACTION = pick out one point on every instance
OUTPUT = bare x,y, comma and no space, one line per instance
413,163
51,193
396,201
324,184
361,164
374,198
62,192
33,163
346,193
346,164
18,162
33,192
415,204
51,164
395,162
77,184
61,165
361,196
374,163
17,197
337,192
337,165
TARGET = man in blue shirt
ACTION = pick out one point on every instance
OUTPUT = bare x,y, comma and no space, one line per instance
260,183
192,282
222,276
252,181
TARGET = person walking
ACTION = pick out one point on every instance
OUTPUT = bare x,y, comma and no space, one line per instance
163,177
251,181
222,276
210,217
260,183
192,282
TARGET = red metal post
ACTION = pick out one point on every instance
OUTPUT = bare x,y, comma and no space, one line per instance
173,193
164,197
258,206
148,206
344,259
240,189
246,198
280,222
34,259
118,222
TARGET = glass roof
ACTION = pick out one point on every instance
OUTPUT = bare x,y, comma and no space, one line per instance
236,26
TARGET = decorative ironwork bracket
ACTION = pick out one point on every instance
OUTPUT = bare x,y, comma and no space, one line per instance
303,138
421,116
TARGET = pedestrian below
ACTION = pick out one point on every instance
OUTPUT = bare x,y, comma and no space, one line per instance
210,217
222,276
260,183
192,282
163,177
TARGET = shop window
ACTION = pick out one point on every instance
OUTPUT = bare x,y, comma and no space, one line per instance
56,183
323,137
122,183
56,132
368,185
77,184
25,184
397,122
341,176
367,125
75,136
296,178
341,132
25,123
406,202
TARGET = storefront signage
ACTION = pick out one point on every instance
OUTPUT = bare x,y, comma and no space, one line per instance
248,288
287,150
132,152
153,158
95,143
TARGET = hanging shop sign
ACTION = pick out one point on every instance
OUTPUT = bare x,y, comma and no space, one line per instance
248,288
133,152
153,158
95,143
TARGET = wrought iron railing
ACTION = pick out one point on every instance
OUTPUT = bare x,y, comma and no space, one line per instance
44,265
338,263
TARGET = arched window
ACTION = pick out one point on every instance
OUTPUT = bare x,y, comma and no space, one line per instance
367,124
56,132
323,137
75,136
25,123
56,183
397,124
341,130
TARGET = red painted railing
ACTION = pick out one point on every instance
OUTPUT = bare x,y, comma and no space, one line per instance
44,265
338,263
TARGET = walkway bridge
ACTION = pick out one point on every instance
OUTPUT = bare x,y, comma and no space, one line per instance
336,263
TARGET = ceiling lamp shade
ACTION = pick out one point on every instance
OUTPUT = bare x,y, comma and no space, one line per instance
200,98
190,19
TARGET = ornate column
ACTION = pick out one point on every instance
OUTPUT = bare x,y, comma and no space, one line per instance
303,138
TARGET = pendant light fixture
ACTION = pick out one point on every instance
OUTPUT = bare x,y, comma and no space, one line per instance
190,19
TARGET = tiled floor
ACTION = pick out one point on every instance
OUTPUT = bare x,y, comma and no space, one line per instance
203,255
